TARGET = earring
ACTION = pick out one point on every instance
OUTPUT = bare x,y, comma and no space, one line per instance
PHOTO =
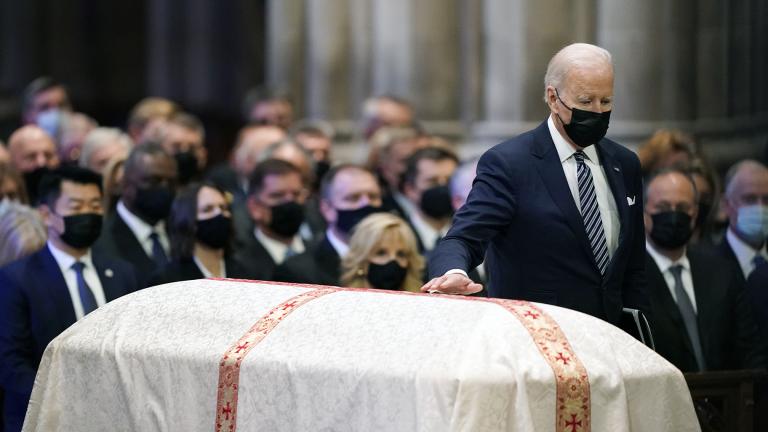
360,272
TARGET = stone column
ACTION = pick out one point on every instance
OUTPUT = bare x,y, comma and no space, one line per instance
285,48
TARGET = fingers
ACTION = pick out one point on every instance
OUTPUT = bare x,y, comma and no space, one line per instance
452,284
433,284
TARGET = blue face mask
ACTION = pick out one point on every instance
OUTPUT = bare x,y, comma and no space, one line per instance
50,121
752,222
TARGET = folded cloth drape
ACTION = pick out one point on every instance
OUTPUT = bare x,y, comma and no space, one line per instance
229,355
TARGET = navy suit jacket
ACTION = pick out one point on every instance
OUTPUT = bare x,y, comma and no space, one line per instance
35,307
521,211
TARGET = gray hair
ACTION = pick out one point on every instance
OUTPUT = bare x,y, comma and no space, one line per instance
735,169
22,231
574,55
100,137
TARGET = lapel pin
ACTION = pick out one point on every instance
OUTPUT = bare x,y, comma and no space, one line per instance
616,169
109,273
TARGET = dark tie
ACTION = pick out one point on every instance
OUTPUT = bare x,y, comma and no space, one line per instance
689,315
158,253
289,252
758,261
591,213
86,295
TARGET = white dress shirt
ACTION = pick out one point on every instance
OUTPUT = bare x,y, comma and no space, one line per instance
277,249
143,230
609,213
665,264
744,252
91,277
341,248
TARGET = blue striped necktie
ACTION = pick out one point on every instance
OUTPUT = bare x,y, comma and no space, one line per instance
591,213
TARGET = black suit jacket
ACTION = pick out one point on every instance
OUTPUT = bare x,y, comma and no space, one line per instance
252,254
727,329
35,307
521,210
320,265
726,252
118,240
756,291
186,269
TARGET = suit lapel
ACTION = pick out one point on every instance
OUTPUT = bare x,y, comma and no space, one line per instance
660,292
127,242
615,178
328,259
551,172
51,279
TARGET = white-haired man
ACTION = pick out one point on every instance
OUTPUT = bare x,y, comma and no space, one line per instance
559,208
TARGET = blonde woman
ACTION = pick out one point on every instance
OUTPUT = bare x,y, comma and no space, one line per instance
21,231
383,254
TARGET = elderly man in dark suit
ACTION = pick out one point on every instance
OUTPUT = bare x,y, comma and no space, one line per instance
43,294
702,320
558,209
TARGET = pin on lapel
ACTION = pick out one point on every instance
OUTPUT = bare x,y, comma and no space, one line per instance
109,273
616,169
631,200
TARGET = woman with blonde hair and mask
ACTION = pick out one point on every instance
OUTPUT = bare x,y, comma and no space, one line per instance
383,254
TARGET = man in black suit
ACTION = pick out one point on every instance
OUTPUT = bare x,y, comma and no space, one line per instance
136,231
558,209
276,206
746,203
428,208
348,193
756,291
43,294
701,318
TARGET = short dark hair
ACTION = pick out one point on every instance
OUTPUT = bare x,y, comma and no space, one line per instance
49,189
182,221
429,153
327,181
148,148
36,87
671,170
267,168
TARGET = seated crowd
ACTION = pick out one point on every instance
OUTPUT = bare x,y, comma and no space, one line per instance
90,213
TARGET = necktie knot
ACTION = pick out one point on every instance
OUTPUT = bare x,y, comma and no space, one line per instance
579,156
759,261
676,270
78,267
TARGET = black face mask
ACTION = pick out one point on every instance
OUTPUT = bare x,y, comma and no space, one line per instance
154,204
82,230
32,180
586,127
346,220
389,276
214,232
186,163
671,229
436,202
287,218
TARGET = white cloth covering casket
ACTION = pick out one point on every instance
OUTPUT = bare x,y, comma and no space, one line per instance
226,355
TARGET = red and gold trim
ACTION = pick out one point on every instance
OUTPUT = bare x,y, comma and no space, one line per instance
229,367
573,405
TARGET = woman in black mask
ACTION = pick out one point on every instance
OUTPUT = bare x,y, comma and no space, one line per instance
200,229
383,254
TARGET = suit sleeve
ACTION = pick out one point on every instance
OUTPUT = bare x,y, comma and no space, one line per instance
18,365
489,209
635,286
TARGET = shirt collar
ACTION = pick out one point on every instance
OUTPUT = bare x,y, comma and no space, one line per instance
744,252
566,150
140,229
65,260
277,249
665,263
341,247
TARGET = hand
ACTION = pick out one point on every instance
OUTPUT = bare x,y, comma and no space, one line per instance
454,283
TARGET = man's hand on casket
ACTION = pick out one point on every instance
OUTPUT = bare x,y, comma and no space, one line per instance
453,283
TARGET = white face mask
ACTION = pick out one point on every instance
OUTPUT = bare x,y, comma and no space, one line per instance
752,222
50,121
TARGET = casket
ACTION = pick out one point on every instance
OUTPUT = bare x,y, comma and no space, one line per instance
225,355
